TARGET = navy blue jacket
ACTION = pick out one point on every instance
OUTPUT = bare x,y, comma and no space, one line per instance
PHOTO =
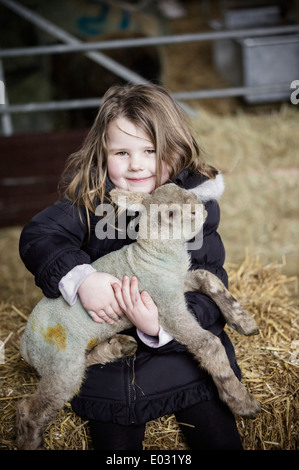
157,381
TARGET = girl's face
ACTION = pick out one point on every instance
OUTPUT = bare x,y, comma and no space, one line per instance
132,157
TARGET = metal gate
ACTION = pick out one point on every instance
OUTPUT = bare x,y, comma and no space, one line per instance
222,33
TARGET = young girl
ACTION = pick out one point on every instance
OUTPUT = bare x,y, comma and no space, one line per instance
139,140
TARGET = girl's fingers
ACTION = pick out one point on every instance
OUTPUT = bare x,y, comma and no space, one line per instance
134,290
117,309
110,313
107,316
126,293
102,315
119,297
94,316
146,299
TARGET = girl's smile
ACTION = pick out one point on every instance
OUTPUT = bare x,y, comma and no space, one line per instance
139,180
132,157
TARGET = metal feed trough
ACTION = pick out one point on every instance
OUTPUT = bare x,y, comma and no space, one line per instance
256,61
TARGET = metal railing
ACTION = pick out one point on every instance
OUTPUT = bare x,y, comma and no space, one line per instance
91,50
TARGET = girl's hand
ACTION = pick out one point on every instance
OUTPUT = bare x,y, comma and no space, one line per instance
139,308
97,297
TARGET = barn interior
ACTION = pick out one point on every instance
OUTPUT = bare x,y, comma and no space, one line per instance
234,68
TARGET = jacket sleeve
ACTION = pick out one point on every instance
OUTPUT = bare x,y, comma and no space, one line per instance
51,245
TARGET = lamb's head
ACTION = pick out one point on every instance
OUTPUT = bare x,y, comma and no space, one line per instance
168,213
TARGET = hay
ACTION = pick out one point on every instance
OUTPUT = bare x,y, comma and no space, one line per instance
269,363
258,154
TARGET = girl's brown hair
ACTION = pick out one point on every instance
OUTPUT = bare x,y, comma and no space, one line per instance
154,110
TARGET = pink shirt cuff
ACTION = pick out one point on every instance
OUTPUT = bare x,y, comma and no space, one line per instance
155,341
71,282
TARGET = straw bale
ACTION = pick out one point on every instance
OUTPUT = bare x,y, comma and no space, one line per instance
269,363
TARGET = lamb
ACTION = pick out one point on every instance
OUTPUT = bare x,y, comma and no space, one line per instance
60,341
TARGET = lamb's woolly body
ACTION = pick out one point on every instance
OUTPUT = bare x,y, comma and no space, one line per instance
52,313
58,336
135,261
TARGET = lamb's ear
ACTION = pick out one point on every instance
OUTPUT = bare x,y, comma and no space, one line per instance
127,199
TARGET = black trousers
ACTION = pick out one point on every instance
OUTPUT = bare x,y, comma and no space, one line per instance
211,427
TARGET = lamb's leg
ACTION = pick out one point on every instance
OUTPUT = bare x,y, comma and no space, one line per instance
233,312
211,356
113,348
36,411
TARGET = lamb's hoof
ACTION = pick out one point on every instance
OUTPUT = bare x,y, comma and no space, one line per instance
251,411
244,331
110,350
242,403
128,345
29,436
246,325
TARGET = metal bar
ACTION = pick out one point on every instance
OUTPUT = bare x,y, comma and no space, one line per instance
141,42
97,57
62,35
231,92
5,117
51,106
185,95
